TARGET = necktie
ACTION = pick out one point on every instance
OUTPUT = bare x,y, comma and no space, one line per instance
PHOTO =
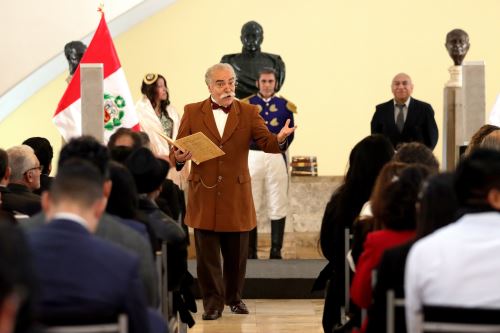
400,118
216,106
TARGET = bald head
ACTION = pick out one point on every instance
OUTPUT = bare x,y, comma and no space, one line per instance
402,87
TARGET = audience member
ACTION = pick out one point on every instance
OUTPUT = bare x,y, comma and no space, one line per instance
124,137
436,207
415,152
24,179
149,174
492,141
145,140
82,277
466,250
123,201
365,161
395,209
110,228
4,173
44,153
18,286
366,222
478,137
404,118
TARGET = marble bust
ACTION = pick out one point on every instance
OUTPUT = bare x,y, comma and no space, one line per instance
251,60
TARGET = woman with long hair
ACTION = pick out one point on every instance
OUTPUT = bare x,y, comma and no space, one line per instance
158,117
365,161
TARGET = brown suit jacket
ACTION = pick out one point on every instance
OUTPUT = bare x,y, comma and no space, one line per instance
220,194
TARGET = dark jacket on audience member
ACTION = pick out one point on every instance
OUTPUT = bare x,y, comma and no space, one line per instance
111,230
20,199
82,276
171,232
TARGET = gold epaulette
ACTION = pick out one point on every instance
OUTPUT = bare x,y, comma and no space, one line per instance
289,105
247,99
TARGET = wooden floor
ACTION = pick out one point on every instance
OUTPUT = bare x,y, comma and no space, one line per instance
266,316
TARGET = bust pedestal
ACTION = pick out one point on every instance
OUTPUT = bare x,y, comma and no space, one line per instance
455,80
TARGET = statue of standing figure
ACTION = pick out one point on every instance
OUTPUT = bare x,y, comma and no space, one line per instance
251,60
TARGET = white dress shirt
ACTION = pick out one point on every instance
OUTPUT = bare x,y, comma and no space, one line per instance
220,119
458,265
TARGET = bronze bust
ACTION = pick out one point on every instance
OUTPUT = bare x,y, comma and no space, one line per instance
74,52
457,44
251,60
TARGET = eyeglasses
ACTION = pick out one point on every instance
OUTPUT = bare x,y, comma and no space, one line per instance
221,84
39,168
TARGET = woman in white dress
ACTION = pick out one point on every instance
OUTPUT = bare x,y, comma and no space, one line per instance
157,115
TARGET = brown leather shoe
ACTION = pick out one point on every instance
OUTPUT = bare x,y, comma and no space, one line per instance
239,308
211,315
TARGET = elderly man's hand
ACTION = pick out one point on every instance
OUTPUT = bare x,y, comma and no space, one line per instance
181,156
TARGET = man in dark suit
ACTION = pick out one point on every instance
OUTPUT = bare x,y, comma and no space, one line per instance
82,277
220,206
405,119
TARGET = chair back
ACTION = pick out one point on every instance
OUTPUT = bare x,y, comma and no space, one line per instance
392,303
119,326
457,319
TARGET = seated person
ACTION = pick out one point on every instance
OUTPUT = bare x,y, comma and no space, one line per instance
436,207
396,212
466,250
109,228
44,152
82,277
24,179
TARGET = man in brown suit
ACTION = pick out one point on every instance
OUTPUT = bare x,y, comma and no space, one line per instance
220,205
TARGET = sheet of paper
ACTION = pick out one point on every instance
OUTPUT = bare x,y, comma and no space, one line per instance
201,147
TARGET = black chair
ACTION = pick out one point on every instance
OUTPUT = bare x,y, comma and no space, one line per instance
175,325
457,319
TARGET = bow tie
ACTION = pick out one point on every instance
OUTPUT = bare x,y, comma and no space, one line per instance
216,106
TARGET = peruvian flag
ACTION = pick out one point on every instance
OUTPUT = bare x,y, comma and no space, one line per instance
119,110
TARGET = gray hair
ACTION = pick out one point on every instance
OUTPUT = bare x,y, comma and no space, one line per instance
21,159
220,66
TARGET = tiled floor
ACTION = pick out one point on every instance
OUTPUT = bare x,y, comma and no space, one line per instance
266,316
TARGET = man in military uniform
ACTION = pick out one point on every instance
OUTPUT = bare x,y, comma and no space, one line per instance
269,172
251,60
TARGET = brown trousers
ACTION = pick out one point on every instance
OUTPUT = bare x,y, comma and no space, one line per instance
221,285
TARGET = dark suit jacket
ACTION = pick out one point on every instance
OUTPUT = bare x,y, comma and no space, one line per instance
111,230
20,199
420,125
82,276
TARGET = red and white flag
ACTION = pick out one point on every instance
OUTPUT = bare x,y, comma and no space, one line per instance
119,110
